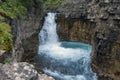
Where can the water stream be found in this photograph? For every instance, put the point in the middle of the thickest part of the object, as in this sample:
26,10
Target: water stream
63,60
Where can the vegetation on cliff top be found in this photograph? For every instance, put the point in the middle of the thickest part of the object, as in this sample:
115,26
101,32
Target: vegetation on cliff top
52,4
9,9
12,8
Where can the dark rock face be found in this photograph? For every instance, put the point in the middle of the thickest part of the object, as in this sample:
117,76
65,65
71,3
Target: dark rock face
106,42
74,29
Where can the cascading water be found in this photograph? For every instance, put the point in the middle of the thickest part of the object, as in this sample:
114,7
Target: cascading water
63,60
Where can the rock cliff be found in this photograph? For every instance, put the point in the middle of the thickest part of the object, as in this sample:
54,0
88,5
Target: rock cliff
96,22
25,30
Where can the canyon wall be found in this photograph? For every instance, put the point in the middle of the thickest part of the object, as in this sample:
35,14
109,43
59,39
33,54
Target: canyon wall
25,30
106,42
74,29
96,22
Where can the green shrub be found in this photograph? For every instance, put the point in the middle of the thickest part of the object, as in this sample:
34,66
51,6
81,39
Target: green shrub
12,8
5,37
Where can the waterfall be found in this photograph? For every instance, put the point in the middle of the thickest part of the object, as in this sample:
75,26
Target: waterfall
48,33
63,60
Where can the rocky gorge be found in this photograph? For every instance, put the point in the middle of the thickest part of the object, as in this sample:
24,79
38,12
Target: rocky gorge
96,22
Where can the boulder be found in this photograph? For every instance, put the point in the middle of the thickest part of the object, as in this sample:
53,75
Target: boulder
21,71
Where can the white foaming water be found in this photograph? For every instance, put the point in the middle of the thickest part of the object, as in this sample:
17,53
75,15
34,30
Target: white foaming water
65,77
63,63
48,33
58,52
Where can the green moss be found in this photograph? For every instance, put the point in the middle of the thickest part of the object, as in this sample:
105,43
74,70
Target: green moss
5,37
52,4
